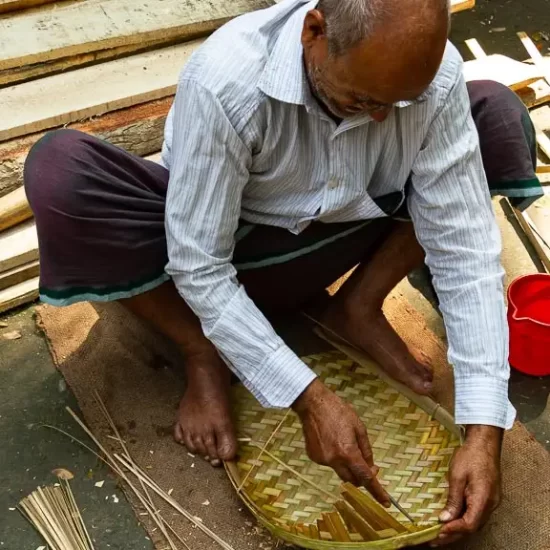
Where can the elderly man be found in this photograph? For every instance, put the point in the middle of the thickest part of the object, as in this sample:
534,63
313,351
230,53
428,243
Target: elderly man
300,139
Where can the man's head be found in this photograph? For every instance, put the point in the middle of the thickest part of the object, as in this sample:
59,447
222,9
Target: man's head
364,55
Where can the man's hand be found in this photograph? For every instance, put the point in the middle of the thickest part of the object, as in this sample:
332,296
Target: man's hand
336,437
474,484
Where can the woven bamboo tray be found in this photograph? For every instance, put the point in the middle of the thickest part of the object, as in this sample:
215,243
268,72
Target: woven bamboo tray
413,441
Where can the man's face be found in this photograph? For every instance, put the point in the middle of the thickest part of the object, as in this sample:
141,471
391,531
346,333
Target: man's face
371,76
343,101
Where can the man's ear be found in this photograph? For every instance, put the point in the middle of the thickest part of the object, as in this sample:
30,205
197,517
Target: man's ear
314,28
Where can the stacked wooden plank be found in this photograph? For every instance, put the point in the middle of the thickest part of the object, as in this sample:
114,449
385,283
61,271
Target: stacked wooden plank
106,67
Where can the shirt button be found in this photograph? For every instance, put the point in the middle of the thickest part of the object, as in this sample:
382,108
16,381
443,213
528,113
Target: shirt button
332,183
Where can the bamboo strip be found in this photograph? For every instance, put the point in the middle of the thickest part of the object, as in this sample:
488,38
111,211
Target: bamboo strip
54,513
336,527
132,467
373,512
109,461
262,450
359,523
126,452
290,469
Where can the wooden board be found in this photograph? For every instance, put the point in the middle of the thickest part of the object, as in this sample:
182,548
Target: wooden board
18,246
535,94
461,5
138,130
65,98
14,5
25,73
14,209
511,73
85,27
541,121
541,88
19,274
527,225
18,295
24,207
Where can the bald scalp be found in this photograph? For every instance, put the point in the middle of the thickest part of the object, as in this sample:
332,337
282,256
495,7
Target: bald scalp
349,22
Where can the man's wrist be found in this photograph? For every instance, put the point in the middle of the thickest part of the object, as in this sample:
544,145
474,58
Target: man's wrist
490,437
310,395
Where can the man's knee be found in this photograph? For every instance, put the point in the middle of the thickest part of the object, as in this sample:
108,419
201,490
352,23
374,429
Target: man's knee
490,99
498,111
49,172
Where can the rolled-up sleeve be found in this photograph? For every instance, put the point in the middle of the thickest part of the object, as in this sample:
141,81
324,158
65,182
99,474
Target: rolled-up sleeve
208,173
454,220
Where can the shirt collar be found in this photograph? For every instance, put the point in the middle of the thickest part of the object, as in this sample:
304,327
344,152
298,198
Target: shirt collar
284,76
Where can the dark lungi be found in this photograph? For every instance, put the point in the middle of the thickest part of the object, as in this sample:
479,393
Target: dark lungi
100,215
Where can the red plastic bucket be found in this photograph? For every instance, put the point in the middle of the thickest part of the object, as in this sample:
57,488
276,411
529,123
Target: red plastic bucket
529,322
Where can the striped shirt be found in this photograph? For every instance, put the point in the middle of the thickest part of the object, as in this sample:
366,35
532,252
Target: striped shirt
246,139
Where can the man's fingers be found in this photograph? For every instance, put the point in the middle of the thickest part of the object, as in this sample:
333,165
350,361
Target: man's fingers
456,527
379,493
455,500
478,510
445,540
364,477
343,472
364,444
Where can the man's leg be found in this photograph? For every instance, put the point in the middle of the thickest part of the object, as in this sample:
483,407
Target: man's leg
100,219
203,423
508,142
356,311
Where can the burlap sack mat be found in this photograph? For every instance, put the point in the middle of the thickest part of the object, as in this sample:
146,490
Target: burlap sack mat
139,377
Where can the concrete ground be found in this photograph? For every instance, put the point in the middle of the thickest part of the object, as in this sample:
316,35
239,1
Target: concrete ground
34,393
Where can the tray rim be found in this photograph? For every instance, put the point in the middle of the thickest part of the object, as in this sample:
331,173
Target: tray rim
426,403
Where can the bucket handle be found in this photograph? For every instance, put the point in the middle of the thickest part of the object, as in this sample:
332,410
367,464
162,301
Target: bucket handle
515,308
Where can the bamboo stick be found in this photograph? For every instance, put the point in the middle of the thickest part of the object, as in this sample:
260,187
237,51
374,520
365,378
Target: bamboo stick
359,523
132,467
370,510
290,469
54,513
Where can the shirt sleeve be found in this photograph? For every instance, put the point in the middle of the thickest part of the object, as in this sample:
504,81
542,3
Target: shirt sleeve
454,221
208,173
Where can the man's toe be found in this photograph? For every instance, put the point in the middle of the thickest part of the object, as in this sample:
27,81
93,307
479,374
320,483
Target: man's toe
178,434
227,444
209,440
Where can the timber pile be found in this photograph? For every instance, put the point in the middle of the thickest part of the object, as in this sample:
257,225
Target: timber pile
532,83
110,68
106,67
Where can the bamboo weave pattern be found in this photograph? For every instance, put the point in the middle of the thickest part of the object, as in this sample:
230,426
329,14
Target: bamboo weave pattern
412,450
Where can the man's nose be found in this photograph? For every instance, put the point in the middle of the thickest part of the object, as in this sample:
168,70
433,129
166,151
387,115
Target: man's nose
380,116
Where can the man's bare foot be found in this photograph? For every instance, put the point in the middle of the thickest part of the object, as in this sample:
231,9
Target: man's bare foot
372,333
204,422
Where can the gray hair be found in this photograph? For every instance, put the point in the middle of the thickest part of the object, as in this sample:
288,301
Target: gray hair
352,21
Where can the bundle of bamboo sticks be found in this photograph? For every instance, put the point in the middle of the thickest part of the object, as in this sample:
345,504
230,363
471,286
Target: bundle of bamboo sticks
140,484
55,515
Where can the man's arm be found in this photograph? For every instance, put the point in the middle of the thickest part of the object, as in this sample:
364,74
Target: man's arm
454,221
209,170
